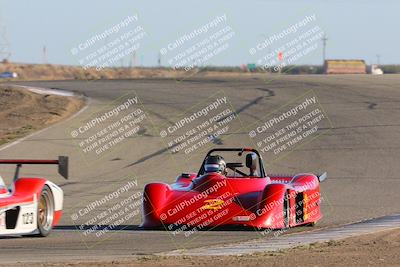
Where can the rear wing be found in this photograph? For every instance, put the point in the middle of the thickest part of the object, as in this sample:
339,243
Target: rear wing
62,163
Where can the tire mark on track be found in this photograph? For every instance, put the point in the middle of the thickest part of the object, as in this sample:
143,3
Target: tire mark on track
371,105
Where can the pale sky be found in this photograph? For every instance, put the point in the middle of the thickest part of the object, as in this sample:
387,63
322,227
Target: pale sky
355,29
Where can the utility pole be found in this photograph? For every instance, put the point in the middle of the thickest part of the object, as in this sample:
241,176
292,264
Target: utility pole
134,58
4,45
378,59
324,39
44,55
141,57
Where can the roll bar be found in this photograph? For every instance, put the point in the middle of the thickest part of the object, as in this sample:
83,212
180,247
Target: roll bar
240,150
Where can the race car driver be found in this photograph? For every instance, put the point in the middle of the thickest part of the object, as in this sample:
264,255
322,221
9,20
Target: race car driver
215,163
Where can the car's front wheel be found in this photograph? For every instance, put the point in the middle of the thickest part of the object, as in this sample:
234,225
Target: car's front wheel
45,212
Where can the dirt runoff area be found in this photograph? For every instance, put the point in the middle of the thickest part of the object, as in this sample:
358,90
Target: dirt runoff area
23,111
378,249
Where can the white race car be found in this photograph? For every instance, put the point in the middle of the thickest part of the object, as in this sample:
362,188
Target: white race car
31,206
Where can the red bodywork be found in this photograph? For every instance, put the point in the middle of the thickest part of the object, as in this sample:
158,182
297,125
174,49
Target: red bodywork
212,199
24,191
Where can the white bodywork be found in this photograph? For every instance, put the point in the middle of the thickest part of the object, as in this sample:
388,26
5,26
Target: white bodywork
375,70
27,216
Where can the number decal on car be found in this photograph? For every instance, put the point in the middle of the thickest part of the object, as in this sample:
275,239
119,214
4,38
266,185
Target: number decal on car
27,218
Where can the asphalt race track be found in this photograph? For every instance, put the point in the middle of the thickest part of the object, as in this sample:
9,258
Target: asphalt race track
360,153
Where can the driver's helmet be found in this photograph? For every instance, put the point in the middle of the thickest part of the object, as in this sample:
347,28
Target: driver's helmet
215,163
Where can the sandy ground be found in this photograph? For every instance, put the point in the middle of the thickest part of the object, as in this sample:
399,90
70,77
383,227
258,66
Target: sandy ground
23,112
379,249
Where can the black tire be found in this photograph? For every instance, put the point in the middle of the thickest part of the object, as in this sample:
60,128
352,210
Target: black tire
45,212
286,210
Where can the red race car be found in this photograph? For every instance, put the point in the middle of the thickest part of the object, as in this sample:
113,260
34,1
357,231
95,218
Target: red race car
233,192
31,206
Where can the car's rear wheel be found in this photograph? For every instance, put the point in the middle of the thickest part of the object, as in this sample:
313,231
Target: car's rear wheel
286,210
45,212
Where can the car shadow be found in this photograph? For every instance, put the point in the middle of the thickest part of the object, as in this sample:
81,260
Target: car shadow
165,228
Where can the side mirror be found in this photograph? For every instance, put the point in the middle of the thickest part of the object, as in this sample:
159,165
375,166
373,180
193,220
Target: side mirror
251,162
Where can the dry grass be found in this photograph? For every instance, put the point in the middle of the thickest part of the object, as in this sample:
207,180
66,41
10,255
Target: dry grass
23,112
62,72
